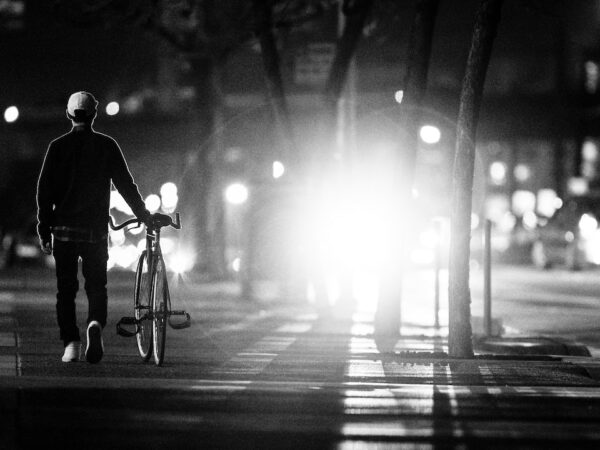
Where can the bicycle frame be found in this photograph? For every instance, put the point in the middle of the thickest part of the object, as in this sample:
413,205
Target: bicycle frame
153,252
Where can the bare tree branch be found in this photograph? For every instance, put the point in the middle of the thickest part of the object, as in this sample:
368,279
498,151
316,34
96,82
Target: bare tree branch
274,81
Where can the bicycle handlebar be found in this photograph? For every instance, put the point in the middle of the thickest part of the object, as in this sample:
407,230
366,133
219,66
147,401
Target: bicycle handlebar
158,224
124,224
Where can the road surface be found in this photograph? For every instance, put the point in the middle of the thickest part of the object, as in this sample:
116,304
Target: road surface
272,374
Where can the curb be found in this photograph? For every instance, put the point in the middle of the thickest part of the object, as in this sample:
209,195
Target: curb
531,346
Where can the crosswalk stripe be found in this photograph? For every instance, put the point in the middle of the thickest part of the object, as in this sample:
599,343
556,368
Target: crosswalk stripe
9,363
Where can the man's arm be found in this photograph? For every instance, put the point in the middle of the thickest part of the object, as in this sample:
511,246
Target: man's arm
123,181
45,201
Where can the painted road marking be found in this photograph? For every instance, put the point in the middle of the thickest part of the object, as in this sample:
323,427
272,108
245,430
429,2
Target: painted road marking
9,357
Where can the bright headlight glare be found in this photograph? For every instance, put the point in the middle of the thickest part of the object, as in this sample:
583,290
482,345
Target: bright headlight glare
181,261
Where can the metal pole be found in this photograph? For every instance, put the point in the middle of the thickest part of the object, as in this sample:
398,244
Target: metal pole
438,263
487,279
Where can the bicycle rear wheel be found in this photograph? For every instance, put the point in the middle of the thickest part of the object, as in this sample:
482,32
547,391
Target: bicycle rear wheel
160,303
142,305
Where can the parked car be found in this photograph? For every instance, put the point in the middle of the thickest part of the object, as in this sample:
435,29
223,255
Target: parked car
570,237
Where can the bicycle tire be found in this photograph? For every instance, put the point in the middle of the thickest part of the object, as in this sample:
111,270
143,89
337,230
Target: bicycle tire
160,299
142,305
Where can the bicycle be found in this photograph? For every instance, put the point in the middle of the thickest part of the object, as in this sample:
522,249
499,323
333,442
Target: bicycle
151,297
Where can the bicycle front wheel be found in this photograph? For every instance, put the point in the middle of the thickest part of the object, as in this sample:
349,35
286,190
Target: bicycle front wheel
142,307
160,303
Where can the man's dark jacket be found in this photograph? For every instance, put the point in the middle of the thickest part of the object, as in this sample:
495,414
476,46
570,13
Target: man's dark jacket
74,184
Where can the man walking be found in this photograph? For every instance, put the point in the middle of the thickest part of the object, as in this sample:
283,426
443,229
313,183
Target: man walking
73,200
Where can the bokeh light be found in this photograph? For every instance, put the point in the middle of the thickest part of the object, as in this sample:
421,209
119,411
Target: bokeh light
11,114
236,193
430,134
112,108
152,203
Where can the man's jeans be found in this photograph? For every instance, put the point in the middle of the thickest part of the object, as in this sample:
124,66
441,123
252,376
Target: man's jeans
93,266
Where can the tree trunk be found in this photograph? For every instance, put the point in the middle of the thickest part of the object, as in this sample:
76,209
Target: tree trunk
356,15
388,316
204,197
215,212
415,82
263,17
484,32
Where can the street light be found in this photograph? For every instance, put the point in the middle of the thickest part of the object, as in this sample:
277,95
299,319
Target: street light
236,193
11,114
430,134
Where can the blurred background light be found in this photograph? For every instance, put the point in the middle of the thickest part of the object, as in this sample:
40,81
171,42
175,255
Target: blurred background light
236,265
278,169
522,172
577,186
169,197
181,261
135,230
398,96
547,202
529,220
152,203
430,134
474,221
588,225
112,108
498,172
523,202
167,245
117,237
496,207
118,202
168,189
592,75
589,150
236,193
507,222
11,114
122,256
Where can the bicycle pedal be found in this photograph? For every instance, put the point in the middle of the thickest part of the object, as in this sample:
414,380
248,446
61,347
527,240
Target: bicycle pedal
127,321
179,326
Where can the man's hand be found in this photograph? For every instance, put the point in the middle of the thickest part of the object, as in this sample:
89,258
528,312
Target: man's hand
46,247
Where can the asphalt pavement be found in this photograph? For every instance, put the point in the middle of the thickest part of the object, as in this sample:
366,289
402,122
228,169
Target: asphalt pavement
272,373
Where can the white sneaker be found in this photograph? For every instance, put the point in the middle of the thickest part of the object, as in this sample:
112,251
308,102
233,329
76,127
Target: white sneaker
95,347
72,351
